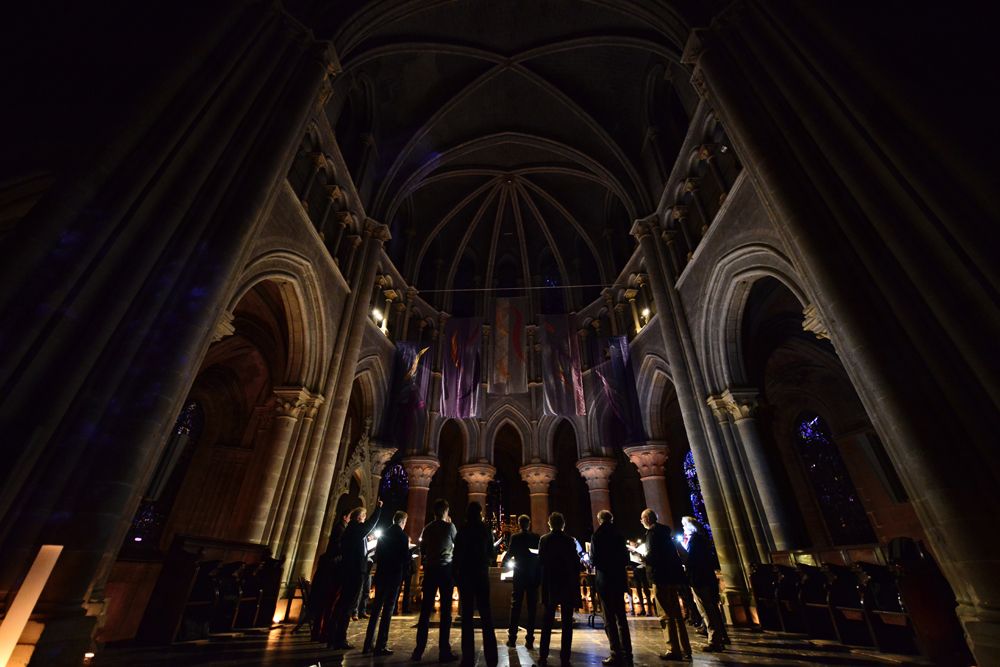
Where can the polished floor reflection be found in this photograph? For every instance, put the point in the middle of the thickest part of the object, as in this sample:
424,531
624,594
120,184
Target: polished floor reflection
278,648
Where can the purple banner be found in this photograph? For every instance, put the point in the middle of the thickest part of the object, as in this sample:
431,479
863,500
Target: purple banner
562,379
406,416
614,394
509,370
461,369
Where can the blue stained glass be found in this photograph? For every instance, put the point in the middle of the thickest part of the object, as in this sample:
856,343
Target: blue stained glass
838,498
694,488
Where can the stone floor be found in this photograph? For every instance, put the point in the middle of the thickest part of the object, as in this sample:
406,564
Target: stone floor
278,648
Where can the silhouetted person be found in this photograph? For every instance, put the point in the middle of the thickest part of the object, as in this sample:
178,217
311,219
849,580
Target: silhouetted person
474,554
641,584
560,564
326,584
360,608
392,554
354,563
609,555
703,566
525,565
665,572
437,543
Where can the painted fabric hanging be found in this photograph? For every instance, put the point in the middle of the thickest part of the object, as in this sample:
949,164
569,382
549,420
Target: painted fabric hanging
411,380
461,369
562,379
615,398
509,370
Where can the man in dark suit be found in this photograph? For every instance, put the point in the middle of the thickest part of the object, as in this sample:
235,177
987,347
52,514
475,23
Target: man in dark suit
665,572
609,556
392,555
473,556
560,564
525,564
354,562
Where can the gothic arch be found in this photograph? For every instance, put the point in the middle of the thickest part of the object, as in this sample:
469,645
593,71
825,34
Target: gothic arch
655,387
470,435
506,414
307,317
371,379
727,290
547,427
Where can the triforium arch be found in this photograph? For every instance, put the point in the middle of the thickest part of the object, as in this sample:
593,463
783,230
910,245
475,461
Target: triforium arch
506,415
655,387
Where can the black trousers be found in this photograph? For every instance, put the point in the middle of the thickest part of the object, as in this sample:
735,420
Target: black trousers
523,589
474,595
435,579
616,622
549,620
342,610
386,595
642,590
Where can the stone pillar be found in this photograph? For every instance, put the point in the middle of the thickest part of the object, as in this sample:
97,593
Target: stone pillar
630,294
680,216
318,161
642,280
419,473
390,296
343,222
741,404
609,298
280,527
620,317
693,185
650,459
596,471
478,476
669,237
708,153
289,405
332,196
539,476
352,242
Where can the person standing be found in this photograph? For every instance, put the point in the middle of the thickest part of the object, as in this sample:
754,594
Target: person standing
523,558
437,542
326,584
560,564
393,556
360,608
354,562
666,574
703,569
474,553
609,556
641,583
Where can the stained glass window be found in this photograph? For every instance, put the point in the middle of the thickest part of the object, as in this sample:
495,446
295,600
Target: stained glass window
694,488
838,498
395,487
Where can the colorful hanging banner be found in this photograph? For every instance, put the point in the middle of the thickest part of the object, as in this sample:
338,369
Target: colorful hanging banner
614,394
461,367
509,370
411,380
562,379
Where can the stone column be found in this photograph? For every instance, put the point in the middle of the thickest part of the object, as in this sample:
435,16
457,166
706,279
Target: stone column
390,296
352,242
410,295
539,476
609,298
620,317
693,185
530,330
748,496
478,476
289,405
669,237
318,161
680,215
708,153
741,404
277,535
630,294
344,221
332,195
596,471
419,473
642,280
650,459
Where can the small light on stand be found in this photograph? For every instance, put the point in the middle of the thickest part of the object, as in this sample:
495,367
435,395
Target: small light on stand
645,313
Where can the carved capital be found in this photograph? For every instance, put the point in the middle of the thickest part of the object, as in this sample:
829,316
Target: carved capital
597,326
420,470
607,293
530,329
583,332
224,327
641,279
699,83
333,193
538,476
619,308
814,323
707,151
649,459
679,212
291,401
630,294
390,294
354,240
378,231
644,227
719,408
692,184
741,403
695,46
378,457
346,218
312,406
596,471
399,307
478,475
317,160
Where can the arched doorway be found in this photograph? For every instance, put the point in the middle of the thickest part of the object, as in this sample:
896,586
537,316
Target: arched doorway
447,483
508,459
568,493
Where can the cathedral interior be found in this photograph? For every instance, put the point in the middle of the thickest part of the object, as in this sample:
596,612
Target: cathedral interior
222,224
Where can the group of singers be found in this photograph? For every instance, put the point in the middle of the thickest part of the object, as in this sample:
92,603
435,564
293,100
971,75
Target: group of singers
551,562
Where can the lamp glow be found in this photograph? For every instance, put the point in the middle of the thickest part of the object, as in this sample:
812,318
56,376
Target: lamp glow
377,534
645,313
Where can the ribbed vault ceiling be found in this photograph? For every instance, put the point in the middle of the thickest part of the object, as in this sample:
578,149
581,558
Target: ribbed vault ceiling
501,131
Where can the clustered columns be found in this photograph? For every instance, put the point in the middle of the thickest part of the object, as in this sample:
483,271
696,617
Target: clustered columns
290,402
596,471
741,404
419,473
539,476
650,459
333,196
630,294
478,476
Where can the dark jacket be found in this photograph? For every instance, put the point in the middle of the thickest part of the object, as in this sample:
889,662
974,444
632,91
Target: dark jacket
473,554
525,563
663,565
560,569
702,562
352,544
393,556
609,555
437,542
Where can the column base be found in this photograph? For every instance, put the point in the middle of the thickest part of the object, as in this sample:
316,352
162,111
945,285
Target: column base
982,631
62,642
739,609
